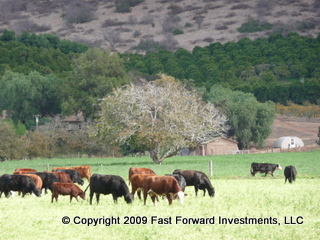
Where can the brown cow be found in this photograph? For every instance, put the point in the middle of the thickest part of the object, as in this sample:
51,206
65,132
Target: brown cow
19,170
37,180
162,185
136,181
62,177
66,189
84,171
135,170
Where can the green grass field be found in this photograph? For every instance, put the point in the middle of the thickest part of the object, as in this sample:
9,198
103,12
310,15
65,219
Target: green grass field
244,207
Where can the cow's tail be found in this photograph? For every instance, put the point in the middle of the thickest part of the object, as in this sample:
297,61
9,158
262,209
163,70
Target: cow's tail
291,174
87,187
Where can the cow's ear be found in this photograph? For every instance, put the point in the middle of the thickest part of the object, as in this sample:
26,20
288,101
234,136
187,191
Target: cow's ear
186,194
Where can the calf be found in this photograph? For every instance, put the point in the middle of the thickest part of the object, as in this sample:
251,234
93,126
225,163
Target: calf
136,181
290,173
64,189
264,168
162,185
197,179
73,174
109,184
20,183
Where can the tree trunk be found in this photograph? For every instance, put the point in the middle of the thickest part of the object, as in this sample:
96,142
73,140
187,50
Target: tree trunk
154,156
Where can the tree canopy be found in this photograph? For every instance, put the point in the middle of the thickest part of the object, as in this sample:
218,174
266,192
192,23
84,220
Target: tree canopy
162,116
95,73
250,121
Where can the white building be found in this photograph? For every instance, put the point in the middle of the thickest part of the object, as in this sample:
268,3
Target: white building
288,142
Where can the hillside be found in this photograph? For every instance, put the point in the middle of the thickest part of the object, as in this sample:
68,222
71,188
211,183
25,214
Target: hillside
199,22
294,126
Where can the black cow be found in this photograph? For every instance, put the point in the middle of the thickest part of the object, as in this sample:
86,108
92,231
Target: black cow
19,183
181,181
109,184
264,168
290,173
47,180
197,179
74,175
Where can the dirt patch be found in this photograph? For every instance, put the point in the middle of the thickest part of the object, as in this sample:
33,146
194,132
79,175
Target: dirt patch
305,129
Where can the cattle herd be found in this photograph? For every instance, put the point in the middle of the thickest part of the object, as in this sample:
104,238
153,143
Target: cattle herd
63,180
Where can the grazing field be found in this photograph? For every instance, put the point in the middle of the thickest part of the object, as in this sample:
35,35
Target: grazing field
244,207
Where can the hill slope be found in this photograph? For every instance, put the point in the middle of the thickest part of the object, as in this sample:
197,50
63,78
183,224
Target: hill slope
200,22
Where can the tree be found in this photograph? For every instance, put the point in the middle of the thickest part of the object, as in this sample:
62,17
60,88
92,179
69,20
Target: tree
250,121
24,96
162,116
95,73
10,145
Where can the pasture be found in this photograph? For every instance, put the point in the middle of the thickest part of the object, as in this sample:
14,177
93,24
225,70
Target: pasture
244,207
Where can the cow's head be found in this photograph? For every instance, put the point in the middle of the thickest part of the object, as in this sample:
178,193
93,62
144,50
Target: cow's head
128,198
181,196
82,195
37,192
211,192
278,166
80,181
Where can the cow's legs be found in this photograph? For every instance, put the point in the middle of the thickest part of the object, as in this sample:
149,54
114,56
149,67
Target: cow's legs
98,197
196,190
169,198
115,198
145,195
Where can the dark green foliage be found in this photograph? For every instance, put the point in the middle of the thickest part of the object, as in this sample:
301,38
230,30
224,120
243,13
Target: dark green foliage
10,145
95,73
254,26
177,32
271,68
24,96
8,36
250,120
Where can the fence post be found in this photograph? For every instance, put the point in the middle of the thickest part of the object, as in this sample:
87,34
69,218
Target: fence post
210,168
47,167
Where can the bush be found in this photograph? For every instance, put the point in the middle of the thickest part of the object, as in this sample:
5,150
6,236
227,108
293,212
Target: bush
79,12
254,26
177,32
306,26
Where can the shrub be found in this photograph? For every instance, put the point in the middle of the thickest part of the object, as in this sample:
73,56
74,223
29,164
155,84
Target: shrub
136,33
79,12
254,26
306,26
177,32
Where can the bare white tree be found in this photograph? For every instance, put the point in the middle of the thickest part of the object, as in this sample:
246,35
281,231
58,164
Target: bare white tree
161,115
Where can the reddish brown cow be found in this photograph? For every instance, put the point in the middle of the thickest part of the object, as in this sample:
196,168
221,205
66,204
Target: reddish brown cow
23,170
136,181
135,170
162,185
62,177
84,171
66,189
